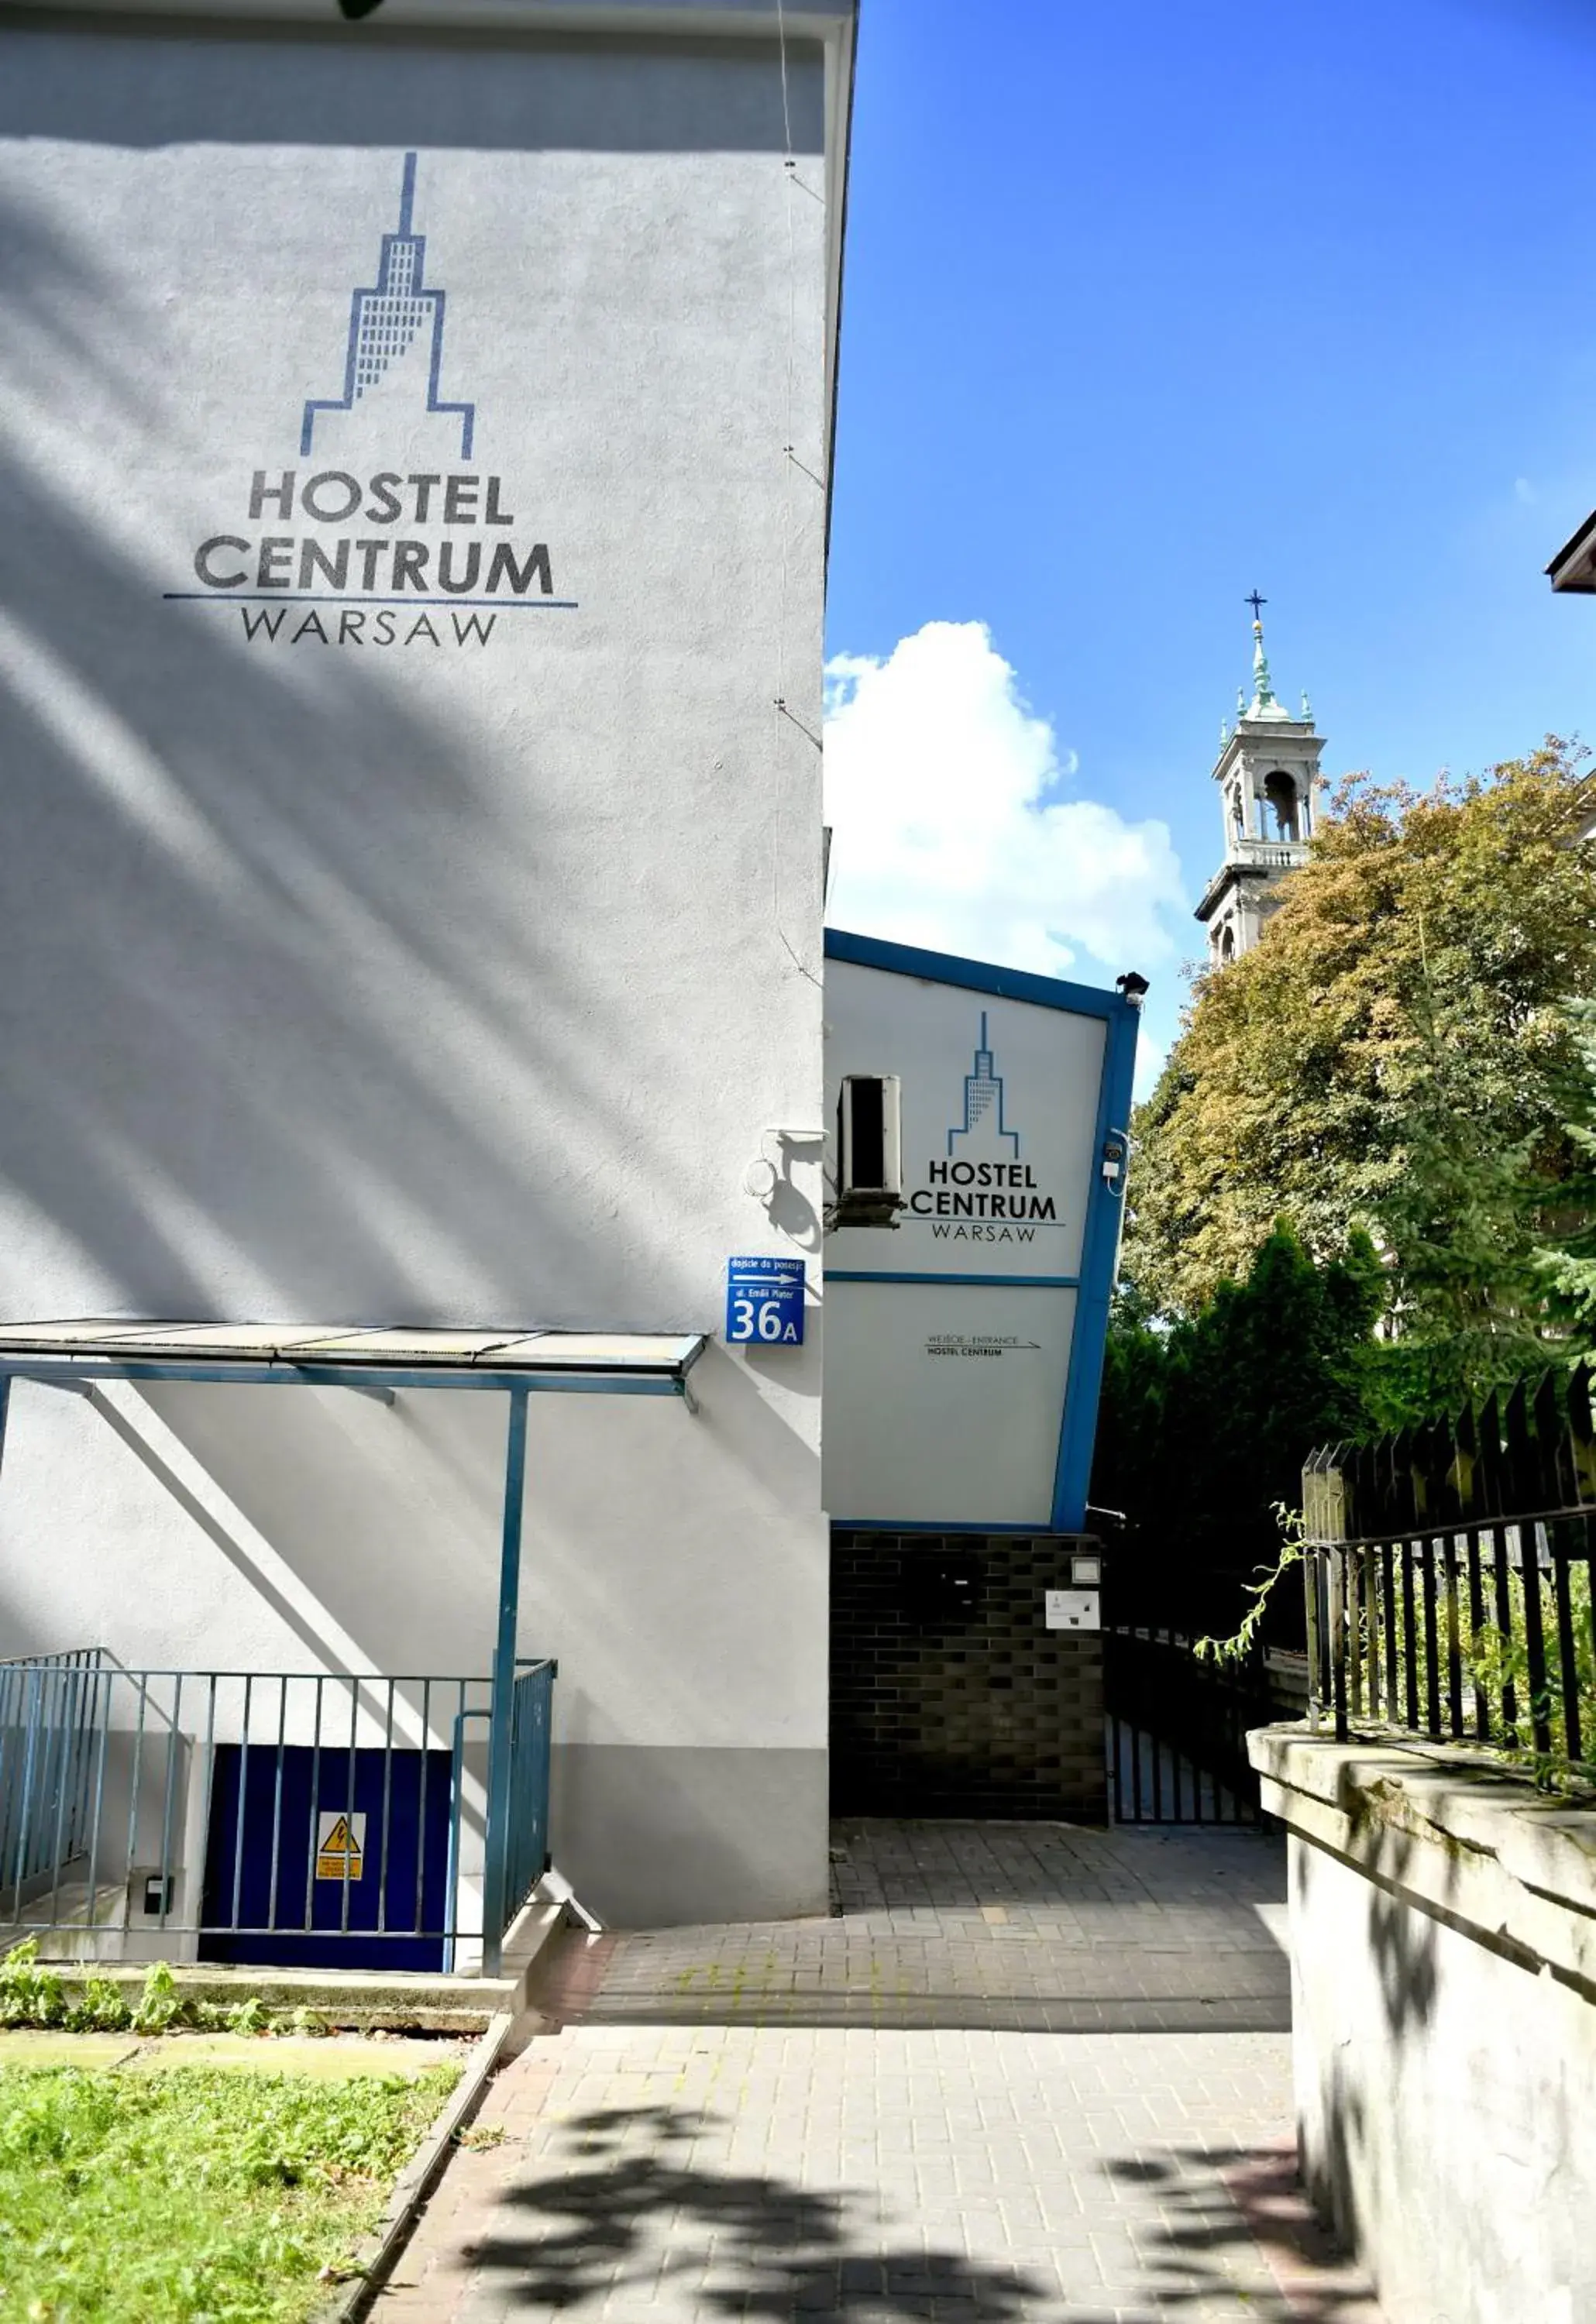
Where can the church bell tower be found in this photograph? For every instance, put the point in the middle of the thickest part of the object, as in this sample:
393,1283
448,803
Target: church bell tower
1267,773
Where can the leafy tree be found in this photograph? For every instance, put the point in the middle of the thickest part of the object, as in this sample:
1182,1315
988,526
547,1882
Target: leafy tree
1206,1421
1448,924
1467,1311
1566,1261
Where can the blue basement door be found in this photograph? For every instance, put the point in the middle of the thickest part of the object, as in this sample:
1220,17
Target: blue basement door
276,1875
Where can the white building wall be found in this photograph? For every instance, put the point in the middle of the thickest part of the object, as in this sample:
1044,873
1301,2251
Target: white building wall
1443,1931
432,984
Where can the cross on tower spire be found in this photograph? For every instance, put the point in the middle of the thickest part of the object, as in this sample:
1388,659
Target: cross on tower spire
1256,604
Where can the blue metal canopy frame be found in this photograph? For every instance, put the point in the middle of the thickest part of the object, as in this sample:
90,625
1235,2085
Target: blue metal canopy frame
661,1369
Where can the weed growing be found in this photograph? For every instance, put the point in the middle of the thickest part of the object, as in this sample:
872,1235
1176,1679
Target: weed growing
33,1994
192,2195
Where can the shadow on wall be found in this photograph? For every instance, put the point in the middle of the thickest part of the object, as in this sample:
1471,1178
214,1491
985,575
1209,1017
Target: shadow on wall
738,100
1403,1941
270,1037
1402,1937
287,1004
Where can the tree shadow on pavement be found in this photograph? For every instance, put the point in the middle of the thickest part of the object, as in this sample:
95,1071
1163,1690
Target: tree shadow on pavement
637,2218
1230,2216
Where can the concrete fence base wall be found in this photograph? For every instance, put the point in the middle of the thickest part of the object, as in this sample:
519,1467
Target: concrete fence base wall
1444,2002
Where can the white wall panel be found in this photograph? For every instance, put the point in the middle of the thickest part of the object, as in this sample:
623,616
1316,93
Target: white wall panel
943,1402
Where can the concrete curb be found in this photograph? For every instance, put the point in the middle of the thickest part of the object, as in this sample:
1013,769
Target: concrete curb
373,2262
359,2000
529,1940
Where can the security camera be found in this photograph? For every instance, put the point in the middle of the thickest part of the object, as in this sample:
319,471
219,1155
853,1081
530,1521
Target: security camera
1132,986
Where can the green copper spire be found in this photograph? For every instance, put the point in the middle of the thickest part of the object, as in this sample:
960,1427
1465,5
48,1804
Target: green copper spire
1263,691
1263,703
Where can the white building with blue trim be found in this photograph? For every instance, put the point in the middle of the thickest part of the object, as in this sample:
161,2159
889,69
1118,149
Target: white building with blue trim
414,440
414,445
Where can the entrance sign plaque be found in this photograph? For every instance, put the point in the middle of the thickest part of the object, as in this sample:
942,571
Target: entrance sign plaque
1072,1610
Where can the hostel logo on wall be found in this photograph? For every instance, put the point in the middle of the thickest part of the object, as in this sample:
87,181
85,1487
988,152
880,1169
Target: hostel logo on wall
981,1190
349,549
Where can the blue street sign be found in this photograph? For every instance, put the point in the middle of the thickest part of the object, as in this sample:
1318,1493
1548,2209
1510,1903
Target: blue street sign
765,1302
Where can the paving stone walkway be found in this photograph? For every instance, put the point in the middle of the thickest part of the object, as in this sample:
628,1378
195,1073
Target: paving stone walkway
1024,2072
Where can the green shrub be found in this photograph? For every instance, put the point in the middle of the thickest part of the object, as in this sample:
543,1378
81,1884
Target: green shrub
160,2004
29,1995
100,2008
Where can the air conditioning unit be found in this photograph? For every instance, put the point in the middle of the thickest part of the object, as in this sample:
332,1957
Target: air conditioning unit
870,1151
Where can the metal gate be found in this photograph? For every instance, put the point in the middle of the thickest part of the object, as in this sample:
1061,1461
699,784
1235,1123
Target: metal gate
1176,1731
293,1819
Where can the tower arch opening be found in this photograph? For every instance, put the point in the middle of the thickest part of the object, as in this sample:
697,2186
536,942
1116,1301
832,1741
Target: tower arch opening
1284,803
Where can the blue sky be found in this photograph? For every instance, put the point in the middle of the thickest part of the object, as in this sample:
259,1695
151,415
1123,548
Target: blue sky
1150,304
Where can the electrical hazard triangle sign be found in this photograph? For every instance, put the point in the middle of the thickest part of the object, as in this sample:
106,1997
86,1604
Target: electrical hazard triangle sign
340,1845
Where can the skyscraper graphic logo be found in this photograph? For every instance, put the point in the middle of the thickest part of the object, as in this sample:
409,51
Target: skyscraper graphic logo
984,1130
395,330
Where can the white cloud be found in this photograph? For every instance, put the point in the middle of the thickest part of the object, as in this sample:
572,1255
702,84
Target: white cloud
941,788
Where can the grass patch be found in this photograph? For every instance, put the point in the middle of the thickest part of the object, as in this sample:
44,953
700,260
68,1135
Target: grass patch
192,2195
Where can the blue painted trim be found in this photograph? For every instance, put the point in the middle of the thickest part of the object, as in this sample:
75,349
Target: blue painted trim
494,1892
997,1282
972,975
1099,1252
4,1405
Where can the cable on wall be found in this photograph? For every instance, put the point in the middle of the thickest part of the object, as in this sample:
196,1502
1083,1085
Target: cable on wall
783,714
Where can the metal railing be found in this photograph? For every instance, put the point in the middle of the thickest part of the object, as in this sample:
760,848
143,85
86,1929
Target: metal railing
48,1706
1449,1578
284,1817
530,1738
1178,1730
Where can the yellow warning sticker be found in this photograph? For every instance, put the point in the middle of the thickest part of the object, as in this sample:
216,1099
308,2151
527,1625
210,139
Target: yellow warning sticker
340,1845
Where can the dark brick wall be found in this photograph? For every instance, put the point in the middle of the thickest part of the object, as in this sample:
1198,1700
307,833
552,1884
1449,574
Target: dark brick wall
948,1697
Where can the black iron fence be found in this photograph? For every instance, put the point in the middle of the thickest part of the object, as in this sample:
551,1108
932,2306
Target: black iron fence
1177,1728
1449,1577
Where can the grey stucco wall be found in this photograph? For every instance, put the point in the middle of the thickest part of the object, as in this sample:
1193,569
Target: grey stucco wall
425,982
1443,2027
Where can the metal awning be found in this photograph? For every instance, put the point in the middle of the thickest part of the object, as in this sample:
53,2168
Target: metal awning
74,1354
637,1363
